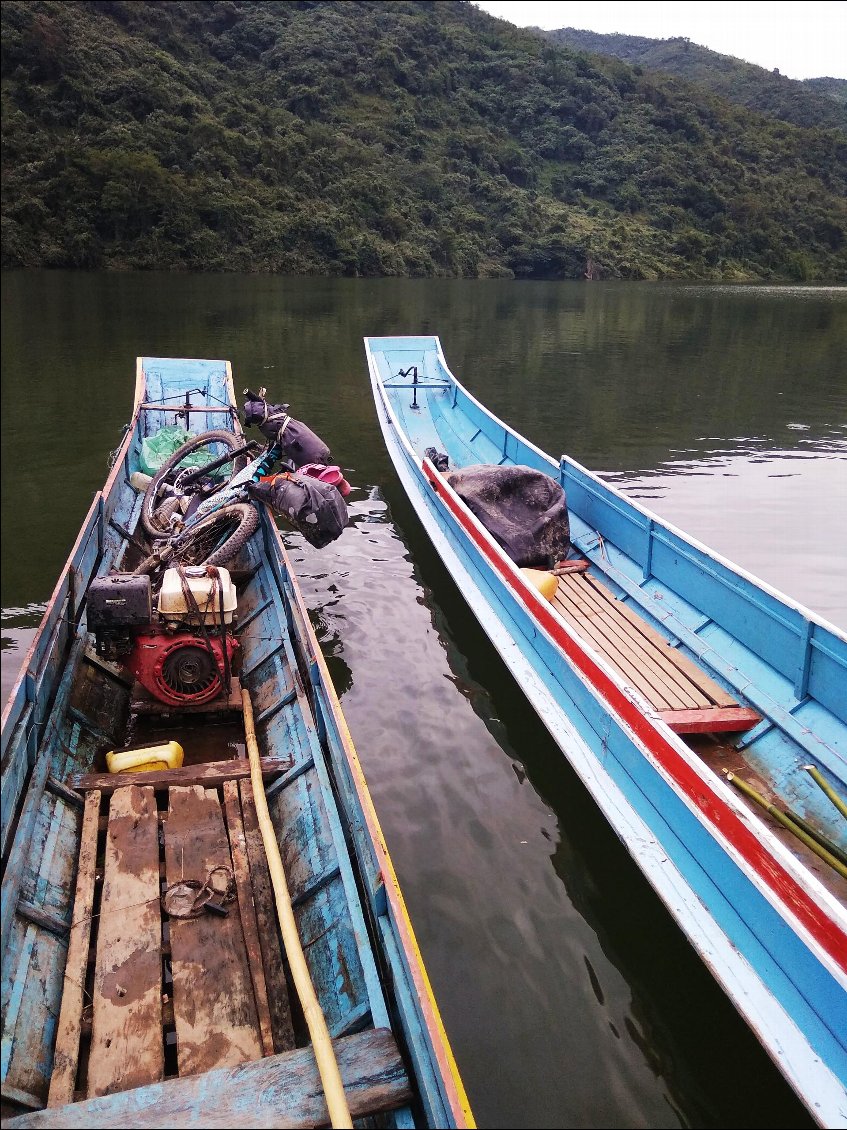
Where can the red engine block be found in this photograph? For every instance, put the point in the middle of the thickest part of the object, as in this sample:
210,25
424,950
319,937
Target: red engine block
179,669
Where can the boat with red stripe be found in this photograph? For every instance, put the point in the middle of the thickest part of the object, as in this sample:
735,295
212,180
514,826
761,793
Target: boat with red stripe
705,712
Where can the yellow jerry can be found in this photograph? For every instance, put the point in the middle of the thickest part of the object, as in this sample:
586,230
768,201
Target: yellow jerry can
168,755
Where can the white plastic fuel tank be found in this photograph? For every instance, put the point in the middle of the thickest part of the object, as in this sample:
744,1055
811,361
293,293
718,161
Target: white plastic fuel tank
206,584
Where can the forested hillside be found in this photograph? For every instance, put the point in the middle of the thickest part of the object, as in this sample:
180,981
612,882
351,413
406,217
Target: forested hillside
810,103
835,88
388,138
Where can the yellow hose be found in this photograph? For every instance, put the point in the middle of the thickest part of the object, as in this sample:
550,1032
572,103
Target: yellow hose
336,1100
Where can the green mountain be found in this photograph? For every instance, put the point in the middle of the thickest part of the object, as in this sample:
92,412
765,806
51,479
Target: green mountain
835,88
811,102
388,138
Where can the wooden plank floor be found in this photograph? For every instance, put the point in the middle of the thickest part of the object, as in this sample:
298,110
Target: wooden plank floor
263,900
228,1001
214,1008
682,693
126,1035
247,910
217,982
66,1056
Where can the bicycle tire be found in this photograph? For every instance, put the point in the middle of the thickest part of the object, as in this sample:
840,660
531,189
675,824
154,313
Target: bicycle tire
191,545
151,494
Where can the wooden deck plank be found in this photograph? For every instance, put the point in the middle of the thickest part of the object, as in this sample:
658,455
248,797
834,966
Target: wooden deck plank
210,774
263,900
247,910
676,690
715,720
654,655
126,1035
687,666
214,1008
66,1054
626,665
279,1091
565,607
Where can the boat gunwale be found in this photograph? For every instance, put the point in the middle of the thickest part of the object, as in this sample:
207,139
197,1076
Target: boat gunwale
796,885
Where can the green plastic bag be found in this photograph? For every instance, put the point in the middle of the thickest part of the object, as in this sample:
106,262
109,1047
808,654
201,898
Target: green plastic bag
157,448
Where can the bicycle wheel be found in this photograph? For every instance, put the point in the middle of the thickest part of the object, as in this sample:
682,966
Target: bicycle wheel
212,444
218,538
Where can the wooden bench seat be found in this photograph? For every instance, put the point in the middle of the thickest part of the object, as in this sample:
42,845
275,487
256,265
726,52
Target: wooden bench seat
210,775
684,696
279,1090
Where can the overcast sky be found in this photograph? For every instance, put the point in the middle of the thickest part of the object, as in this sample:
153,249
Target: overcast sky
804,40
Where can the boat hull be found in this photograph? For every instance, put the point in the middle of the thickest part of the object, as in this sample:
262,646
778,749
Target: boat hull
361,949
740,900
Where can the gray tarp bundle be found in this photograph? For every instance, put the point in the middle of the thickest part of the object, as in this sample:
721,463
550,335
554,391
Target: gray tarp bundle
524,510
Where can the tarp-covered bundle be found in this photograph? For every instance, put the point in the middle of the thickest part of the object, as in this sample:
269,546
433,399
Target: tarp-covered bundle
314,507
524,510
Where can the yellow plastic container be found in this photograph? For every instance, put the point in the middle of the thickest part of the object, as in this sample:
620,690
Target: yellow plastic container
168,755
546,583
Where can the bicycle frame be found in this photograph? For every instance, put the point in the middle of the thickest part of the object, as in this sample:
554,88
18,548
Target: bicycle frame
236,488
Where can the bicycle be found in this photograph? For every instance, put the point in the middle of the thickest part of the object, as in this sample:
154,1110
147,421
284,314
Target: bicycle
192,516
204,515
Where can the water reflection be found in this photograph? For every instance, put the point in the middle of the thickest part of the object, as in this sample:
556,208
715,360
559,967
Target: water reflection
19,627
569,994
791,535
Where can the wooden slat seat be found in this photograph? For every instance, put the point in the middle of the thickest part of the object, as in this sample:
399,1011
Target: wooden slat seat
685,697
210,775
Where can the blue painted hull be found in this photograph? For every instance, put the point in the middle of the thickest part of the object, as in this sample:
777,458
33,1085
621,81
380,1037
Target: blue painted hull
766,915
360,945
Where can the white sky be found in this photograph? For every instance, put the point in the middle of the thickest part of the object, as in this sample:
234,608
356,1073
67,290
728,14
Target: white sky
804,40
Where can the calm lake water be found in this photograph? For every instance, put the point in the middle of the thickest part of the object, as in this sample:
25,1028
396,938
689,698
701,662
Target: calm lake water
570,997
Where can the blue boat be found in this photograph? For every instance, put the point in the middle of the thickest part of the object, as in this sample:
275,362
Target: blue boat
120,1008
705,712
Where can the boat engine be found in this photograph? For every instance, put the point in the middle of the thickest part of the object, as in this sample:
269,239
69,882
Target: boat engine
182,669
184,653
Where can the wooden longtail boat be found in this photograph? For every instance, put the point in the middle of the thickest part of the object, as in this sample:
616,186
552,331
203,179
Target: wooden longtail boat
684,692
114,1013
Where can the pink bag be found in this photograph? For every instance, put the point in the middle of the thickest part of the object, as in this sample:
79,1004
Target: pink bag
331,475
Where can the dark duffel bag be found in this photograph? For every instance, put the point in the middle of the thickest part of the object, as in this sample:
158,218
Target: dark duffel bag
299,443
313,507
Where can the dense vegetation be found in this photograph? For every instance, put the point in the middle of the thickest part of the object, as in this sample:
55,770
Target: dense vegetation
384,138
830,87
812,102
